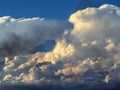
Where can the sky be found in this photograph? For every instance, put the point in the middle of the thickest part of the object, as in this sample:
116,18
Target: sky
59,44
38,8
46,8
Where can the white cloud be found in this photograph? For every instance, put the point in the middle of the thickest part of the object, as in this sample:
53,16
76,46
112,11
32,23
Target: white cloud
86,55
20,36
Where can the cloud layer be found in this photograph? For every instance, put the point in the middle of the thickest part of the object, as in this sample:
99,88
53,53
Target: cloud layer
87,55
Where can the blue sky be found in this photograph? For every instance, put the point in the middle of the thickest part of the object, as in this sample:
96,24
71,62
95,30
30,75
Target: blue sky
96,3
60,9
55,9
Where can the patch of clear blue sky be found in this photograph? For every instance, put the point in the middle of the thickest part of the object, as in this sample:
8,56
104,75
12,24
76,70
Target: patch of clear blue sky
58,9
52,9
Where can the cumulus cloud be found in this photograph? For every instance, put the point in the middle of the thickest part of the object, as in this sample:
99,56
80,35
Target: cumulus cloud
21,36
86,55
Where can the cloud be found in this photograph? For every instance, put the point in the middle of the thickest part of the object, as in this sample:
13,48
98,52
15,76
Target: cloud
86,55
21,36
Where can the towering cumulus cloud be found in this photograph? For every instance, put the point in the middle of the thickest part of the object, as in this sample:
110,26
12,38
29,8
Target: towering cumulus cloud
87,55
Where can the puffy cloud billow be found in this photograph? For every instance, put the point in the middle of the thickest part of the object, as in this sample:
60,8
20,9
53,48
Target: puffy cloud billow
21,36
87,55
